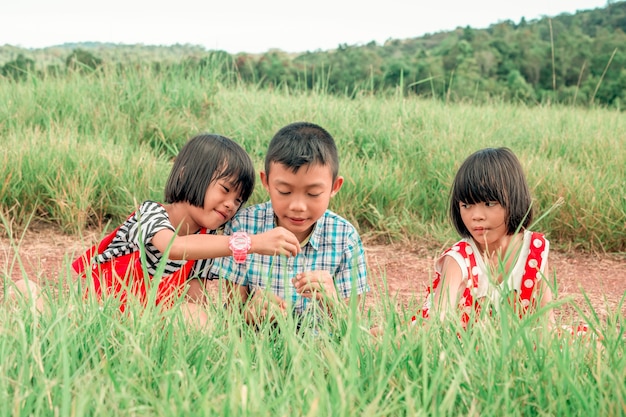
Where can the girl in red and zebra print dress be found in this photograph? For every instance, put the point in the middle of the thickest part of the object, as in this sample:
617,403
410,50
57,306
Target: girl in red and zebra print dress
212,177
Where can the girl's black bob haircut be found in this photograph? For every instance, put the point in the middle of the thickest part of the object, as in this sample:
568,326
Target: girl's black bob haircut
492,174
204,159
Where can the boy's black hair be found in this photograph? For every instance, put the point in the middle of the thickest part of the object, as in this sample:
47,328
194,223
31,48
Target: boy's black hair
203,160
492,174
302,143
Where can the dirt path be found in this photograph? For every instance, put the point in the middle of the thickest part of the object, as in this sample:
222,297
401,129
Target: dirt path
44,251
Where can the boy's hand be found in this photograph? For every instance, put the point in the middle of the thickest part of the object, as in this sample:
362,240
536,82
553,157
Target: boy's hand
264,305
316,285
278,241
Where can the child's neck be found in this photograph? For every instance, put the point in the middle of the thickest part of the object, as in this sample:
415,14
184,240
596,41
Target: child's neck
502,247
500,258
178,218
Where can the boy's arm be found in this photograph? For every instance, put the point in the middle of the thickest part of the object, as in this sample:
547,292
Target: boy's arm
236,294
257,307
318,285
349,277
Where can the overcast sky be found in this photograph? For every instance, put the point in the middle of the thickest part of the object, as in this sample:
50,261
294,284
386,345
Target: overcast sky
257,25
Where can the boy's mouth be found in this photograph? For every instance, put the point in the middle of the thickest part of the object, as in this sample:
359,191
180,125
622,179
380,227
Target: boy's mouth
296,221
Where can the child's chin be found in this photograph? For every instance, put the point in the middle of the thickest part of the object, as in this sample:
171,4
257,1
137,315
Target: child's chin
215,225
297,230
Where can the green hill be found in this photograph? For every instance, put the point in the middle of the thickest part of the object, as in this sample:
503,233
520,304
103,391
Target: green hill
570,58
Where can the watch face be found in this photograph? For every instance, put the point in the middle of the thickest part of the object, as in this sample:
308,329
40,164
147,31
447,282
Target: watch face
239,242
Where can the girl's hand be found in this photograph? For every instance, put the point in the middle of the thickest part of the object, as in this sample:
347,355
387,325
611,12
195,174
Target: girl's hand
264,305
315,285
278,241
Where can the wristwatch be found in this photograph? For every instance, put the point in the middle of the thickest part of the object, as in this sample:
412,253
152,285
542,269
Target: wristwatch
240,244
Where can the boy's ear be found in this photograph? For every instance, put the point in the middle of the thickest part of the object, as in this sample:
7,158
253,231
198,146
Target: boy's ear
264,180
336,186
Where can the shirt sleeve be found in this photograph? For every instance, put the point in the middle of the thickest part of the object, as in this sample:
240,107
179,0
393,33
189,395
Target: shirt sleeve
352,271
151,219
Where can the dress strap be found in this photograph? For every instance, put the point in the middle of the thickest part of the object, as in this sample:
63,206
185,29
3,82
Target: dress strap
80,264
532,270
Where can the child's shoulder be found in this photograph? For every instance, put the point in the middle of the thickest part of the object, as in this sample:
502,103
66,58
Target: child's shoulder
151,205
256,213
463,247
535,235
255,208
331,222
334,217
536,240
150,208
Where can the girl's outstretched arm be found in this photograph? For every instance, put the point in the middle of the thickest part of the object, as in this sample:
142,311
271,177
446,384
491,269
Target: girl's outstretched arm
278,241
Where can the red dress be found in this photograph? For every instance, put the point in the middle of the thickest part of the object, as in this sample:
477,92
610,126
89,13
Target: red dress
124,275
528,270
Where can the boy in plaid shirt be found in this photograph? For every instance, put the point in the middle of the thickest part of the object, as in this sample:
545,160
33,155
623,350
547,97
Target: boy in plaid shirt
301,176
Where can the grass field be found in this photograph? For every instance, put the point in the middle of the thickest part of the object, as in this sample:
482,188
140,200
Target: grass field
81,151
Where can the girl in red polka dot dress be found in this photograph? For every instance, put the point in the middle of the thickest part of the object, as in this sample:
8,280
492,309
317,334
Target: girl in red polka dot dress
498,257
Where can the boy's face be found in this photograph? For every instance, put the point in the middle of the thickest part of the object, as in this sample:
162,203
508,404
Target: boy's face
299,199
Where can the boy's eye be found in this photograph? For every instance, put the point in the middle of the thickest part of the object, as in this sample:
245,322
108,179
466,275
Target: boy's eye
315,194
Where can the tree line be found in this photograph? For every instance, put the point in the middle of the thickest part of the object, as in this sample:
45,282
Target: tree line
574,59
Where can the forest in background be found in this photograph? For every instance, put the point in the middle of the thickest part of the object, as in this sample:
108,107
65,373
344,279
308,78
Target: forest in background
573,59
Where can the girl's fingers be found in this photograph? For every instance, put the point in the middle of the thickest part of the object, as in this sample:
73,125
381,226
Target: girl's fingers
293,248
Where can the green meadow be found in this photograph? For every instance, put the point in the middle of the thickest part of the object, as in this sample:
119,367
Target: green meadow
80,151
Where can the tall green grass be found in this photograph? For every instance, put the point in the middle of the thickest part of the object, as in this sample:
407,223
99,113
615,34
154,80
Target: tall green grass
81,150
83,358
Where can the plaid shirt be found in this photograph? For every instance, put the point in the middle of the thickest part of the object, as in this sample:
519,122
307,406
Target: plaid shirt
334,246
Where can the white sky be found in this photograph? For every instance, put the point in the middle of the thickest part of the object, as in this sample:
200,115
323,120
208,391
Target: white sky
257,25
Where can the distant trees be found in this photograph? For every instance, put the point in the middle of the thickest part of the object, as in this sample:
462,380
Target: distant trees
83,60
577,59
19,68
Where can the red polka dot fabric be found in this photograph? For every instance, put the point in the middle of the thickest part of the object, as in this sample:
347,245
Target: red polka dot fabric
526,296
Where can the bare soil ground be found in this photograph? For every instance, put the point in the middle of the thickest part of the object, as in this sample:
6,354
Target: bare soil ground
396,271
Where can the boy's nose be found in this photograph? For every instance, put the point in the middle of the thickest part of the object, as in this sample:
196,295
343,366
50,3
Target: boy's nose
297,204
